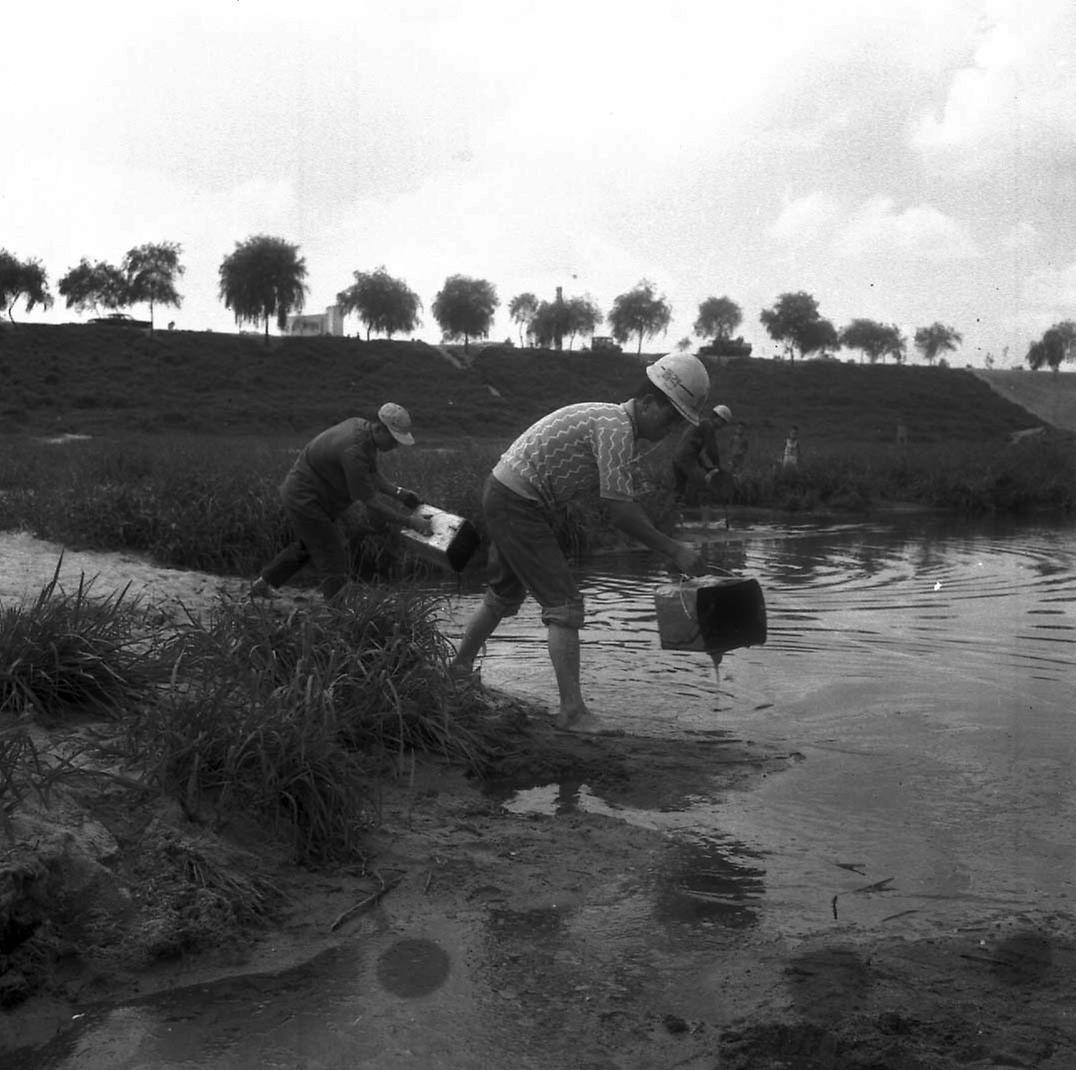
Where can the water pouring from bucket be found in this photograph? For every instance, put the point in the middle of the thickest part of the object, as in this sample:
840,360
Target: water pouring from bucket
715,657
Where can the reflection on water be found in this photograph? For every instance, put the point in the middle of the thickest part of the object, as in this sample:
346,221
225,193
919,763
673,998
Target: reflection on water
924,668
709,882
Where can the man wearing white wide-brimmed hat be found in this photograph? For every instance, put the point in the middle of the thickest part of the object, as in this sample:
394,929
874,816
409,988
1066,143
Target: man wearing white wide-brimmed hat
587,452
332,471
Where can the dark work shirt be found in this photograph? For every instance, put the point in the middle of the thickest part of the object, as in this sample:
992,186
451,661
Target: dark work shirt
334,469
698,446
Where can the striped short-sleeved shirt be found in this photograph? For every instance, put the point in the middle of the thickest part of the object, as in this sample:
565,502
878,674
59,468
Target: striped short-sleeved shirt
578,451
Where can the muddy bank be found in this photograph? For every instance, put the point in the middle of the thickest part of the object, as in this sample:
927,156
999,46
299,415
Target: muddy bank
601,946
109,893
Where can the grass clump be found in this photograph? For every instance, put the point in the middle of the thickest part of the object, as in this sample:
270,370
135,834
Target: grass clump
22,768
63,655
71,651
292,717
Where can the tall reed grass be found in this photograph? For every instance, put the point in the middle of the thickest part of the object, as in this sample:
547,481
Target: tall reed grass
960,477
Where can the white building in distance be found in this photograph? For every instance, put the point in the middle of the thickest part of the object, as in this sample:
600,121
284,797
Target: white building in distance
331,321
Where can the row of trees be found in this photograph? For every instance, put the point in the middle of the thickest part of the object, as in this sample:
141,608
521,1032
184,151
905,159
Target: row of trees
265,278
147,274
795,322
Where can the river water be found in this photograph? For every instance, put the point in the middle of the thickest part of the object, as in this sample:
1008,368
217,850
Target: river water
920,670
923,668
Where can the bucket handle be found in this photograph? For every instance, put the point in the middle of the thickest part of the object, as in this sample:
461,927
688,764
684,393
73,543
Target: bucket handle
684,577
683,606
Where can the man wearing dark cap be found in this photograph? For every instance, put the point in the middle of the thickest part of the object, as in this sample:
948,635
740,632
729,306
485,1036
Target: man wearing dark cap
332,471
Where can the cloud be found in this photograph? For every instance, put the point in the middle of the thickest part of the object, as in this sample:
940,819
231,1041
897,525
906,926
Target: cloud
1047,297
1019,95
921,232
803,219
1053,291
1022,235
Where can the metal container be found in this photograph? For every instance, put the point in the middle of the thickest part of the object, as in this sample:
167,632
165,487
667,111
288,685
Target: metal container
713,613
452,543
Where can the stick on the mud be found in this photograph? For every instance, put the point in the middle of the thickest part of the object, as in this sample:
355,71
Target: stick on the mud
371,900
877,886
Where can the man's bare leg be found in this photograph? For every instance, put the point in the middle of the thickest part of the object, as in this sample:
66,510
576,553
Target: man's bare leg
479,628
564,653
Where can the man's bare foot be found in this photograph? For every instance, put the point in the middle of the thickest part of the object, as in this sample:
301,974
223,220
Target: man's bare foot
464,674
583,722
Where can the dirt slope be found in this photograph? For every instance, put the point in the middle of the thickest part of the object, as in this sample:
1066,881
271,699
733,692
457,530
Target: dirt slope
1052,398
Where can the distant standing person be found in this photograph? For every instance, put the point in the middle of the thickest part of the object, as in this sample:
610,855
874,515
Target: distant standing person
584,452
697,461
332,471
791,458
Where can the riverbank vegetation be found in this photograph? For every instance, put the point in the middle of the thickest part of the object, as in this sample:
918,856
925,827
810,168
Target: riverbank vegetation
211,504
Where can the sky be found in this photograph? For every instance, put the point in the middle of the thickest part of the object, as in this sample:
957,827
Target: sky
905,161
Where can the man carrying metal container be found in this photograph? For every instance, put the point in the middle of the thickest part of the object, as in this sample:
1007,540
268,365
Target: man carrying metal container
332,471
